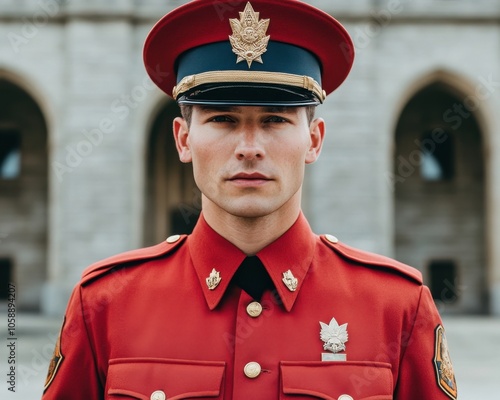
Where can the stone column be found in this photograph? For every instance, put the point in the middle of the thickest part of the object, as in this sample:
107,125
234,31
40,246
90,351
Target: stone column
90,168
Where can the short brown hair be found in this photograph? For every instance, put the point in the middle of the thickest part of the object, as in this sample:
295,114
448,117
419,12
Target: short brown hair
186,112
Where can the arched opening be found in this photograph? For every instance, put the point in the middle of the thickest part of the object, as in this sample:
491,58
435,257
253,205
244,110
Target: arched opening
23,193
173,202
439,183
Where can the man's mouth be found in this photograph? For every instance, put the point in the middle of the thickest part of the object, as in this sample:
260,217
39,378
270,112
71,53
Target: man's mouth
249,179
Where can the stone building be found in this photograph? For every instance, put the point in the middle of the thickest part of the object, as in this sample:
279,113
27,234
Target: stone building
410,167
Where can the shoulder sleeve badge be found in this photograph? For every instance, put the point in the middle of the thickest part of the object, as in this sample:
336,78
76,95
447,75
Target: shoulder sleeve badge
442,363
55,363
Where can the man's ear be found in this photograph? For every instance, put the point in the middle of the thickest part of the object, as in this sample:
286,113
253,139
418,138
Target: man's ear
317,134
181,136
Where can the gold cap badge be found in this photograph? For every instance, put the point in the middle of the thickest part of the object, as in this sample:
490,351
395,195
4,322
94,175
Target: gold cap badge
249,40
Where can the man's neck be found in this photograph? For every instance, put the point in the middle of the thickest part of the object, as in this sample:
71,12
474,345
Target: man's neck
251,235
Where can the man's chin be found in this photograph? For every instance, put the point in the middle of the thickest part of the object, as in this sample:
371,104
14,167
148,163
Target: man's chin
251,210
249,206
251,214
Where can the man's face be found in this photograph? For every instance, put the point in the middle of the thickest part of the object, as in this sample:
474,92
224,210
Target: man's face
249,161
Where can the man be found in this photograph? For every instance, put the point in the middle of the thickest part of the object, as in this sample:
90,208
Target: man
252,304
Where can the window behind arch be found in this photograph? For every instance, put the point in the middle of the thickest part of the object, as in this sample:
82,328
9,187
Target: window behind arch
444,280
438,160
10,154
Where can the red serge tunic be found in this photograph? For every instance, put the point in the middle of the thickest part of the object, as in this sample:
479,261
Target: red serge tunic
145,325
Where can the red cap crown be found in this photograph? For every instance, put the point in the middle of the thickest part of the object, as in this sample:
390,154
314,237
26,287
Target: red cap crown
292,26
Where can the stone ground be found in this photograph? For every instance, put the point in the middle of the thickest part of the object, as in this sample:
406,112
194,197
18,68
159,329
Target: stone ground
474,343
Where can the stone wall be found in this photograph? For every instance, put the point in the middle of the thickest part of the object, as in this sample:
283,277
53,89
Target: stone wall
81,61
23,195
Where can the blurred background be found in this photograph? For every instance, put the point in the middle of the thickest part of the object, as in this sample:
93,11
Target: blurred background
410,167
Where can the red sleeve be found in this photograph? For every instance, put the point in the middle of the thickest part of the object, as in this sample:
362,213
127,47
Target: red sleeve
72,372
426,371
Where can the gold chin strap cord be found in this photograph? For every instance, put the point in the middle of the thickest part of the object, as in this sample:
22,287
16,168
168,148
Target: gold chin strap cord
276,78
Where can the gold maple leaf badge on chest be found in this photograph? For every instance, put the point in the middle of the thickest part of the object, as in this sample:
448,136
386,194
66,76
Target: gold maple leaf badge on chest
249,40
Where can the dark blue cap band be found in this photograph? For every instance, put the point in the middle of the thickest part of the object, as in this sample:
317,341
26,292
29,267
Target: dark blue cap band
280,57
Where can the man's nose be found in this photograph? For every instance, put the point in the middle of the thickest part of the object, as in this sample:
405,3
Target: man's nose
250,145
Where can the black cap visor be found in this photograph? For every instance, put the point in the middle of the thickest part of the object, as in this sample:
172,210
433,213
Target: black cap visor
245,94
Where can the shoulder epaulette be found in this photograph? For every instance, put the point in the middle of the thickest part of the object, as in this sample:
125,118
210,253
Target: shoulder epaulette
372,259
146,253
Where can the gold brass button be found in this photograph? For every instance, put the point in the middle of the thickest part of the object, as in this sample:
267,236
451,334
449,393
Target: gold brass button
334,240
173,238
158,395
252,370
345,397
254,309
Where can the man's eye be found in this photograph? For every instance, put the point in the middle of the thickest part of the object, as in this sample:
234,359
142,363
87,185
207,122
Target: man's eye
275,119
221,118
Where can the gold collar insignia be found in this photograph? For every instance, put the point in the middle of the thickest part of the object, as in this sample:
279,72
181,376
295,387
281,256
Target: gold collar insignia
213,280
290,281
